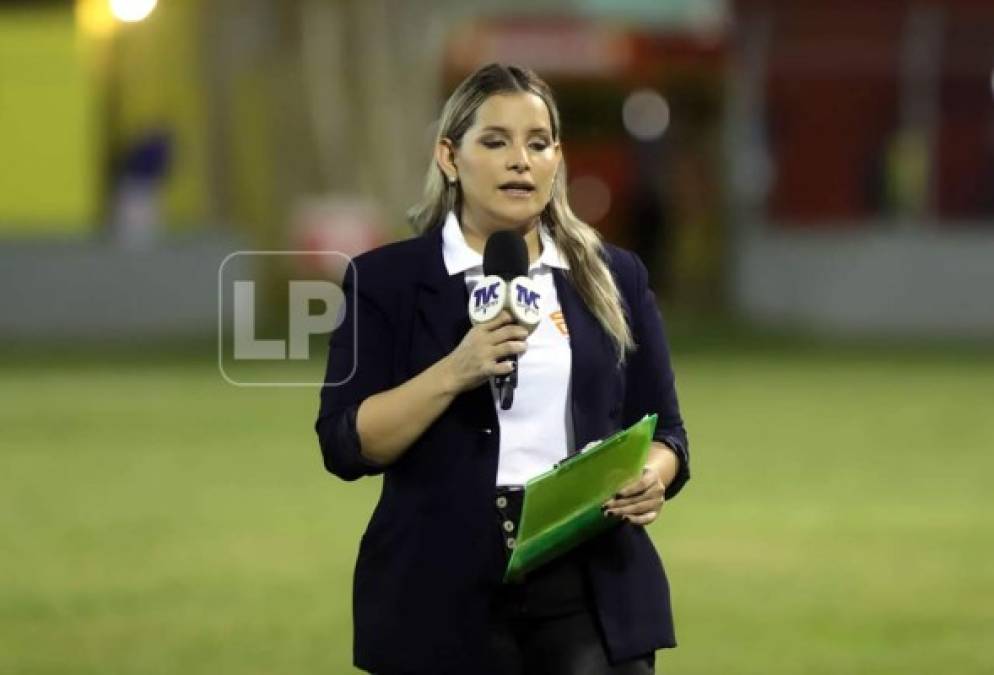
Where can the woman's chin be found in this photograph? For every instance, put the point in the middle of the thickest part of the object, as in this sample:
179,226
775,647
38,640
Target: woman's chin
516,215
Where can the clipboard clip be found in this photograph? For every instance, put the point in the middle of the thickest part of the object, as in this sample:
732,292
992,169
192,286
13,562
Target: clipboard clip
561,462
576,454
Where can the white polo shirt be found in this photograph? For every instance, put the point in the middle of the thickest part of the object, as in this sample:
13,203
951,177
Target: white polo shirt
538,429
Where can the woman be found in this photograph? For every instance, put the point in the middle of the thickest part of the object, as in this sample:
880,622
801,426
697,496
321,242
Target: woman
407,396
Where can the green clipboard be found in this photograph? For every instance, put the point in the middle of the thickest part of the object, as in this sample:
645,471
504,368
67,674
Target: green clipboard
562,507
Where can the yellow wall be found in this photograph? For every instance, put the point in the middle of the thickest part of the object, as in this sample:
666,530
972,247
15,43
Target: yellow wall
49,173
61,73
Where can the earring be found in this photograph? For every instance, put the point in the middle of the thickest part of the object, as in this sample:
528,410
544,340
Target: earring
452,180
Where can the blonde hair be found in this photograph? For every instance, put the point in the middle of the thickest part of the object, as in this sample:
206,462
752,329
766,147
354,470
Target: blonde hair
579,243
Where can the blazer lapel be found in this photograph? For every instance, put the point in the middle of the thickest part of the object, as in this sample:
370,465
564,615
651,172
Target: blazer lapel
442,300
443,313
591,350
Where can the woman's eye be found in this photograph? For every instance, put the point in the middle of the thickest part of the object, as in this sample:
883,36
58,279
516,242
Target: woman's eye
538,147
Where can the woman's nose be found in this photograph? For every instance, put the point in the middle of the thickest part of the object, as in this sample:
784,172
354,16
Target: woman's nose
518,161
517,158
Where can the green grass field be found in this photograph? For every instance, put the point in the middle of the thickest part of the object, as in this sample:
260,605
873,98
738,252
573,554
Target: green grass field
158,520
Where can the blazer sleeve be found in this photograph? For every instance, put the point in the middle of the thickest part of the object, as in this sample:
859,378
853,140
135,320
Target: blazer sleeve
650,382
360,352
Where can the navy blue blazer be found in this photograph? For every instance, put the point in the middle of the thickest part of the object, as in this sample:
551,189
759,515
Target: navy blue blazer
426,564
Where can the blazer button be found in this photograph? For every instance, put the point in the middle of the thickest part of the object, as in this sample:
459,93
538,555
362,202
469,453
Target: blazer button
508,526
501,502
510,542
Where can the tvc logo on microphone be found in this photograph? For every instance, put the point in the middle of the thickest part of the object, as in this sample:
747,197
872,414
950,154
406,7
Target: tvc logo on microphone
487,296
526,296
276,314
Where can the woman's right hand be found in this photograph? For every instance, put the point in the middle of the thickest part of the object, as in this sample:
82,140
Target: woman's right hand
475,359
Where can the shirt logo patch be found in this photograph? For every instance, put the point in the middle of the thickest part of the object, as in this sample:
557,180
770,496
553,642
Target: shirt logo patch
560,322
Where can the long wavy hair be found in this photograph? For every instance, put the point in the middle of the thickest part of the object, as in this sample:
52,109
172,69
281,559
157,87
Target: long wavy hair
579,242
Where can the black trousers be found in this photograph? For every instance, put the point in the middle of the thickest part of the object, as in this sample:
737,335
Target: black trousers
546,624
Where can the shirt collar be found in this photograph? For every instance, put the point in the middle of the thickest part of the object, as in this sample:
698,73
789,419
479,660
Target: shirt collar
459,257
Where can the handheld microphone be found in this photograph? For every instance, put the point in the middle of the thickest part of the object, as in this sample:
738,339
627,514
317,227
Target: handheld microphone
506,285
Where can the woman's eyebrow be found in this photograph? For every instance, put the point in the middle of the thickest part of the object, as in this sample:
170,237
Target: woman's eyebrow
504,130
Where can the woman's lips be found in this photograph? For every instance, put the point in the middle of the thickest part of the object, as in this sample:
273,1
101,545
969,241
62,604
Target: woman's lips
517,193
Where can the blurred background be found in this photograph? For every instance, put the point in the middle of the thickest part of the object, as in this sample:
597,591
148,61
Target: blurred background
811,185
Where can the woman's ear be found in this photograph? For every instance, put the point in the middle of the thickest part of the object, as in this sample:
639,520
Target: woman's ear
445,155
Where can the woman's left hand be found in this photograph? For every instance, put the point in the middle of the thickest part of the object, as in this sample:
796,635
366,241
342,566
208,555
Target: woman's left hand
639,502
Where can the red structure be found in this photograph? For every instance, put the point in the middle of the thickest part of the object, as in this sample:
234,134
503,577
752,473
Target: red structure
876,109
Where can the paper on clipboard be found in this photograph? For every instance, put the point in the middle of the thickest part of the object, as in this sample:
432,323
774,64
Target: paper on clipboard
562,507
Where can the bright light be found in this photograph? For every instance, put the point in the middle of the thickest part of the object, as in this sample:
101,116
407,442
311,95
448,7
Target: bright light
130,11
646,114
